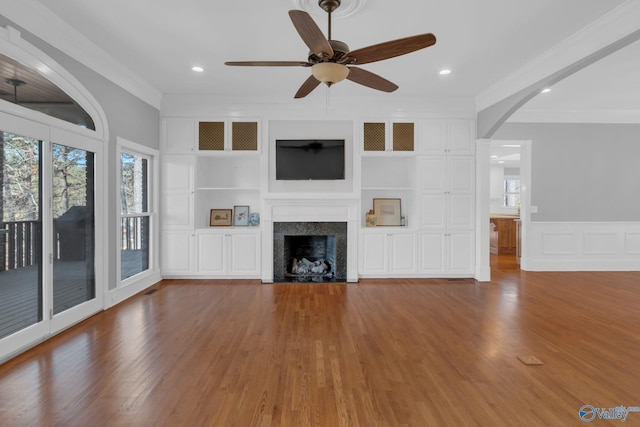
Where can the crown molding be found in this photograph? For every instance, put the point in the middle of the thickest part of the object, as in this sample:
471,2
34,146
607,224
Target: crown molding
584,116
610,28
41,22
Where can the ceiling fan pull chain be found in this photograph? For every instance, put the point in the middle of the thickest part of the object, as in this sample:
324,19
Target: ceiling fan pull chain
327,101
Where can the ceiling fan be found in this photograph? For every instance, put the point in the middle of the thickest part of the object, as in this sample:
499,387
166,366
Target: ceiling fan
331,61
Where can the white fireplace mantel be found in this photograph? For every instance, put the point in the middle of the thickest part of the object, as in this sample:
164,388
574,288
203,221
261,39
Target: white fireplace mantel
310,209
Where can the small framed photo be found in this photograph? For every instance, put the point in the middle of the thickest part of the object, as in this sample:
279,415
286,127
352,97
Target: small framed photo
220,217
387,211
241,215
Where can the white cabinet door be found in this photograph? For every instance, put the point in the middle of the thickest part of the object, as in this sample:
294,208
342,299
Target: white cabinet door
402,253
460,212
176,211
177,198
438,136
244,253
374,253
177,135
176,173
432,136
460,174
212,254
461,137
461,252
433,211
432,253
432,173
176,253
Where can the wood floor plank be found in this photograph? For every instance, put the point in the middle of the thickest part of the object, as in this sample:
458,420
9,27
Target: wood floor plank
403,352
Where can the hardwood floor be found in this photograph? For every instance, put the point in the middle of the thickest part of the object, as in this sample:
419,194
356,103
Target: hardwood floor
376,353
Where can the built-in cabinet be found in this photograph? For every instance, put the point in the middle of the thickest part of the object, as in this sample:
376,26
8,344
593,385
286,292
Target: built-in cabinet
220,174
228,252
429,164
446,193
388,136
388,252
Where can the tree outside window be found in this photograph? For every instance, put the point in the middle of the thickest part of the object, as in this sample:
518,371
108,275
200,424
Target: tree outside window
511,197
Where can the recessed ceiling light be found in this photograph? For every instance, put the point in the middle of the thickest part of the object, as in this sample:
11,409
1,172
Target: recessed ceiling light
511,145
197,69
445,71
494,157
546,90
500,161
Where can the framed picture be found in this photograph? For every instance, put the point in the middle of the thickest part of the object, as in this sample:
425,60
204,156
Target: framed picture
387,211
220,217
241,215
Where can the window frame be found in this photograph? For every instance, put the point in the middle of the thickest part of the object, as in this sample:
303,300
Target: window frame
507,193
151,155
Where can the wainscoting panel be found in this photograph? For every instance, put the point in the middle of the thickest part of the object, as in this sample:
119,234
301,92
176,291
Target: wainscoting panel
600,243
554,243
581,246
632,243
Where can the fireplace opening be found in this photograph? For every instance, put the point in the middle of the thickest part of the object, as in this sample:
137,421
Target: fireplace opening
310,258
310,252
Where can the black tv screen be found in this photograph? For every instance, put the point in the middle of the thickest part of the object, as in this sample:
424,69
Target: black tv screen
310,159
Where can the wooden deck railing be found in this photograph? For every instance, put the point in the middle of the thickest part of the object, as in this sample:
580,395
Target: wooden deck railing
19,244
20,241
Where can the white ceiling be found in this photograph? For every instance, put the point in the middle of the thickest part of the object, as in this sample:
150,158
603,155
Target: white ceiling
481,41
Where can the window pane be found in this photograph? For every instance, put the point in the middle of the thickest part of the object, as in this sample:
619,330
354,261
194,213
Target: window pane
135,246
512,200
20,233
133,193
74,280
512,185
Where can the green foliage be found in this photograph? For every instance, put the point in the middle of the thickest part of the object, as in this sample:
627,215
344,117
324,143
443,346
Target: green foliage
21,178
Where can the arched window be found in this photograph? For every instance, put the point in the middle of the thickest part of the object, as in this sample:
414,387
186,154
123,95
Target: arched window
28,88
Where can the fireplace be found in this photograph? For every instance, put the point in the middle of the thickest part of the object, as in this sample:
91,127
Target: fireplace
309,251
310,215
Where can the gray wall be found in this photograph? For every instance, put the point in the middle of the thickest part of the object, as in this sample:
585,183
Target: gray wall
127,117
582,172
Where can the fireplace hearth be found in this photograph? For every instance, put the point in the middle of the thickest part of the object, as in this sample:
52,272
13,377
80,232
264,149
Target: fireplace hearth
309,251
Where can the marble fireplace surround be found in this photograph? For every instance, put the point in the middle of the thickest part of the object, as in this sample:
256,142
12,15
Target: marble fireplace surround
318,209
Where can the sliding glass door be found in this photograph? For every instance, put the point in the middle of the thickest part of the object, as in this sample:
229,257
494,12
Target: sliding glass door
73,260
21,292
50,256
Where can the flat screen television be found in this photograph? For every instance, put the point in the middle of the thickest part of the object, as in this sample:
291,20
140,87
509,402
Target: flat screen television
310,159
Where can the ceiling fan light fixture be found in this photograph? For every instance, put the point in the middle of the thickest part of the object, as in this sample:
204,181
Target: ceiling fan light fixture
329,72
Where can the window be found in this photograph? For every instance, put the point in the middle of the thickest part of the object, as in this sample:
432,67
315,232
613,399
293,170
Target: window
135,215
511,192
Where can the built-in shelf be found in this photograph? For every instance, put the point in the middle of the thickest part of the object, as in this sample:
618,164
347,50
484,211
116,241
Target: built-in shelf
388,177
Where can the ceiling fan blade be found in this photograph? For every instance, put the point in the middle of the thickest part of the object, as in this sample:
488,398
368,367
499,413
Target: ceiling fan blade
369,79
392,48
270,63
310,84
310,33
